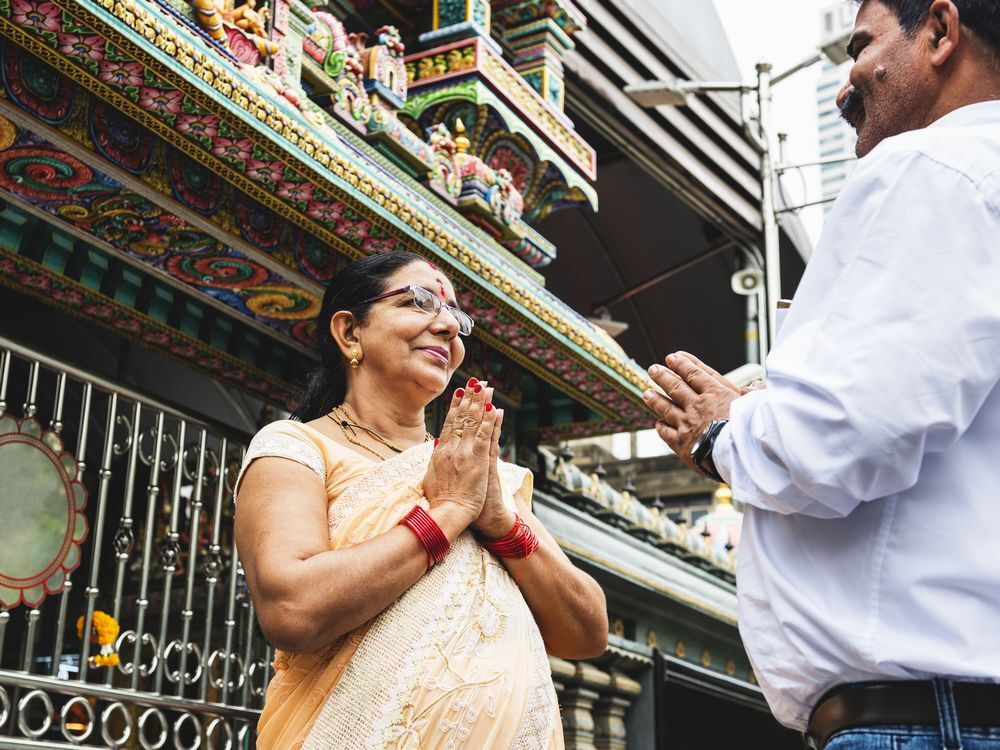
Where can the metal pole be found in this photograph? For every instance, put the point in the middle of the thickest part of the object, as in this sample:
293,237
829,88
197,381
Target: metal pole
772,255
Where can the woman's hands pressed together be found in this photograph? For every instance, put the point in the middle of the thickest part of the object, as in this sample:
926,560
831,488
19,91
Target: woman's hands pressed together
458,475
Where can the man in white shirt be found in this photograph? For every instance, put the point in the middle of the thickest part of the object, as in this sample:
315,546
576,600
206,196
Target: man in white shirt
869,585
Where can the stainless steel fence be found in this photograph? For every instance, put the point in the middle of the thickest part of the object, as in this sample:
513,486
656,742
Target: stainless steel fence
159,558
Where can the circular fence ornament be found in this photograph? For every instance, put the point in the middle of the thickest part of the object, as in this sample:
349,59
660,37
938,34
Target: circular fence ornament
42,506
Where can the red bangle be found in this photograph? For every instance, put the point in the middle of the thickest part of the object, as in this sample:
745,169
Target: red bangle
420,522
520,542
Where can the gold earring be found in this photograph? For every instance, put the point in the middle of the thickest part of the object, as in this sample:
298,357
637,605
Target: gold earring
355,361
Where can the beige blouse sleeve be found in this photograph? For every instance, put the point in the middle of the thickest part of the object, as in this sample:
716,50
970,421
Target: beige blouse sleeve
283,439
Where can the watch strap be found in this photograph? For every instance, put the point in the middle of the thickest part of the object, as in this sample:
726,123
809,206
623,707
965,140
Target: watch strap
702,451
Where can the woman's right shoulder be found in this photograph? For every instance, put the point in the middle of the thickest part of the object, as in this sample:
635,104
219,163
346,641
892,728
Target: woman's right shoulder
291,431
286,438
290,427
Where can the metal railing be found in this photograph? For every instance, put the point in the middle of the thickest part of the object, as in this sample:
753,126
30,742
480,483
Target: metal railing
159,558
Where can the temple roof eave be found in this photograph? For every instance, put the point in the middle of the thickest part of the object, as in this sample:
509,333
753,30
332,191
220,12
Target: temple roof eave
178,56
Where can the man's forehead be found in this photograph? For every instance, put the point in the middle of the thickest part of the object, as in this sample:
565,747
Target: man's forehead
874,16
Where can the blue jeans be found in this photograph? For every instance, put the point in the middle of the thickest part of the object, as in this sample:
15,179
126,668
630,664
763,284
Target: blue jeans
910,738
948,735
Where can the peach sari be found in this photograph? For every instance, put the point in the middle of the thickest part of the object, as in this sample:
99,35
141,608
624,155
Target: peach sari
457,661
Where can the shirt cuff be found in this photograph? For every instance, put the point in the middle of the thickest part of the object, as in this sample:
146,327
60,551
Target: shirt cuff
722,453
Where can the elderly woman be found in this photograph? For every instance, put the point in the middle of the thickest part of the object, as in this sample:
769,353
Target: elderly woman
408,589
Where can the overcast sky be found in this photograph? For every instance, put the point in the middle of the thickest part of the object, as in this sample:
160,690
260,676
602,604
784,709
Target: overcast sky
784,32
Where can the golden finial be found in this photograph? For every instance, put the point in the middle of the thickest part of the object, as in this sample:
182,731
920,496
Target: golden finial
723,495
462,142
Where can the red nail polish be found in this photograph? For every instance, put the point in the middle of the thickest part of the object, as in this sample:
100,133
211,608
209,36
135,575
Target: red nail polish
436,441
471,383
489,407
459,393
477,388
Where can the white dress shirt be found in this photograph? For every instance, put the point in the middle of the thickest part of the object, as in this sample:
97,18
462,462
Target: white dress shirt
871,462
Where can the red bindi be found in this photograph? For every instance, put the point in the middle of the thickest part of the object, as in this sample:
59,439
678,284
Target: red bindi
441,287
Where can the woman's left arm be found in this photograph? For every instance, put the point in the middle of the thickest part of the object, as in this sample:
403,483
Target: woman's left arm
567,604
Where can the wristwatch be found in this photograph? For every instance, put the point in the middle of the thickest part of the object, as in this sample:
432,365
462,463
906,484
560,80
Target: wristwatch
702,450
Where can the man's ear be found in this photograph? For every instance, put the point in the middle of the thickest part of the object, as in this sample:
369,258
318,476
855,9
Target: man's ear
941,29
344,329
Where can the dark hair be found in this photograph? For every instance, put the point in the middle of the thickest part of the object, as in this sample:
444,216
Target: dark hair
357,281
981,17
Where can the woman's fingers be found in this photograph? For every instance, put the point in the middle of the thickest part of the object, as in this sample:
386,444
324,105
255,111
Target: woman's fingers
495,440
484,433
451,420
459,412
473,417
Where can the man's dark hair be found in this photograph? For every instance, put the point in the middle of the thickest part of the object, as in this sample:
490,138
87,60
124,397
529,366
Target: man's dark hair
982,17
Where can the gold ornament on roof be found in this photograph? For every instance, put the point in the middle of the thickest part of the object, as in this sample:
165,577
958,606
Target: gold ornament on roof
723,495
462,142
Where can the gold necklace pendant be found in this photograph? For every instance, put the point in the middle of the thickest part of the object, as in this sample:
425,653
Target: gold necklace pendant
341,416
374,435
344,424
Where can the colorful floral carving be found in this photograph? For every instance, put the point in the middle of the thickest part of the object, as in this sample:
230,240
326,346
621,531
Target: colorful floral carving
300,192
120,73
120,139
216,271
194,185
265,171
89,47
40,15
258,225
36,87
160,101
206,126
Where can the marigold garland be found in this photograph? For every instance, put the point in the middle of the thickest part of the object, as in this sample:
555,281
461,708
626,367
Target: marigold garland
104,631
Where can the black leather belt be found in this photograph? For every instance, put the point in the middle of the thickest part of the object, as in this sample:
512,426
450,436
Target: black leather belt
910,703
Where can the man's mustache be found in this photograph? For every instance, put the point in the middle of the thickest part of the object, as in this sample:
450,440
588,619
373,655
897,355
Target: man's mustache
852,107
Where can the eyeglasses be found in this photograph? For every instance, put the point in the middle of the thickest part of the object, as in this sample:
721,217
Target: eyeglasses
430,303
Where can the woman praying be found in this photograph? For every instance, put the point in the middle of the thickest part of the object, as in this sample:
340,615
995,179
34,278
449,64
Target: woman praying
407,587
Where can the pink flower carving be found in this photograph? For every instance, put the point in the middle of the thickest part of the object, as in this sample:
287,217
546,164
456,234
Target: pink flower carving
233,148
69,296
358,230
206,126
127,324
156,337
272,171
84,47
38,282
295,191
121,73
325,211
379,245
160,101
43,16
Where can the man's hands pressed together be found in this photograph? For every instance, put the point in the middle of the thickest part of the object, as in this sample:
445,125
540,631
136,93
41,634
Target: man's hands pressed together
696,395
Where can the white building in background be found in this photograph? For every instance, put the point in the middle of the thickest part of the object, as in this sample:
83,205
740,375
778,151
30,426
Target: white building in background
836,137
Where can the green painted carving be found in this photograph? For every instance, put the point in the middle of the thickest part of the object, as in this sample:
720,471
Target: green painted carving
451,12
42,506
555,90
534,80
333,66
481,12
417,104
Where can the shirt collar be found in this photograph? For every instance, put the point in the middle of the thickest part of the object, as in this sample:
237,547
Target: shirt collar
980,113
